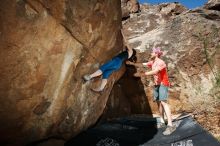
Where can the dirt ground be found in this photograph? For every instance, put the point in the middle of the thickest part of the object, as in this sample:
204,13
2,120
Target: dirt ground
211,122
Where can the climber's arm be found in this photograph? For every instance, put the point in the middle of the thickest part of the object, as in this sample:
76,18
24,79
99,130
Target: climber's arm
137,64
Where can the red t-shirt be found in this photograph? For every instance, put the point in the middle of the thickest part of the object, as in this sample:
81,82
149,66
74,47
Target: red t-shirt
161,77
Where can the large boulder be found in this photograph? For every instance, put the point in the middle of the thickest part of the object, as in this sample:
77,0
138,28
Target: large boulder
46,48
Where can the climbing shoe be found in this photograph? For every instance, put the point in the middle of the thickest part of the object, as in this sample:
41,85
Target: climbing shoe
97,90
86,77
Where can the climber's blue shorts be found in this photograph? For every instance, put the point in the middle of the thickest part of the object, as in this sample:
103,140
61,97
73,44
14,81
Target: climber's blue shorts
111,66
160,93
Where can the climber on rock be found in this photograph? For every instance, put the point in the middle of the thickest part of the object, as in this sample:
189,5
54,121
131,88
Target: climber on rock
112,65
161,84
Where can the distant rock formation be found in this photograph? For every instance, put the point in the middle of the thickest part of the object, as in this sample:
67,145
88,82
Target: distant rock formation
129,7
213,5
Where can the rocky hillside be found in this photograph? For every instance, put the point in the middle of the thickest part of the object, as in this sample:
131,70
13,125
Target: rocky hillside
190,40
46,47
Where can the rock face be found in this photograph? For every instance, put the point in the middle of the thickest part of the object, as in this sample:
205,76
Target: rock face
128,7
190,40
46,47
213,5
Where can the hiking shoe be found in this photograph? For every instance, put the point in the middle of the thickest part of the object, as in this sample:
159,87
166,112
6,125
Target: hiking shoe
86,77
169,130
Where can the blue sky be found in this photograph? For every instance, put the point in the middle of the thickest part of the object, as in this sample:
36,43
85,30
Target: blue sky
191,4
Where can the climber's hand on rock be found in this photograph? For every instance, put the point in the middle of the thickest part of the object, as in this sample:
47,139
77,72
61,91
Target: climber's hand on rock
129,63
137,74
